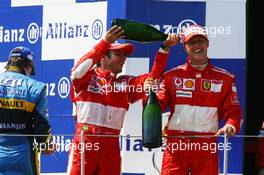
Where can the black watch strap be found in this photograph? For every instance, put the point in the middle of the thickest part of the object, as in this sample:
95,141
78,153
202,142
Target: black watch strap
164,47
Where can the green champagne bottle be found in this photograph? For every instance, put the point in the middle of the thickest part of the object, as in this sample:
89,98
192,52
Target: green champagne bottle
152,123
138,31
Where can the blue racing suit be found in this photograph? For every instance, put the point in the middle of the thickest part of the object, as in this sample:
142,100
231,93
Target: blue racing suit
23,111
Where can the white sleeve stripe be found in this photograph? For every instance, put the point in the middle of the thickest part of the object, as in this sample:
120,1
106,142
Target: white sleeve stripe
81,69
216,69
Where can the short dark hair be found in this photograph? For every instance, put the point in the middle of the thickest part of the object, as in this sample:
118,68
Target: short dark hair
108,54
19,58
18,64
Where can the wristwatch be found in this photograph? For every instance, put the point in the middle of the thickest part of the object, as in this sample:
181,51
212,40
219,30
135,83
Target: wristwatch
165,48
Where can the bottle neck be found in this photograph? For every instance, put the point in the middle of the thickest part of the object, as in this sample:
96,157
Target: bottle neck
152,97
138,31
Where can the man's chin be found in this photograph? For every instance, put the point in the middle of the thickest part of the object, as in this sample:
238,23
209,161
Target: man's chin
198,57
117,71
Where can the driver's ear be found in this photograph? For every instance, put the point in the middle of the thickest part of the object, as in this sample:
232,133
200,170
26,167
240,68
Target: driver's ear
207,43
104,57
28,70
184,47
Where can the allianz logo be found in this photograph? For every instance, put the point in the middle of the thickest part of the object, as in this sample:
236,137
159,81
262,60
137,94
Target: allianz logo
56,30
63,30
63,88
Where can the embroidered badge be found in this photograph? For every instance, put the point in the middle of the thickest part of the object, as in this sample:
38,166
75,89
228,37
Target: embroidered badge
206,85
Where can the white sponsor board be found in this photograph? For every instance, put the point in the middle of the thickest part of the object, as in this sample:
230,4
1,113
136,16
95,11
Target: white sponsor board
2,66
73,30
227,23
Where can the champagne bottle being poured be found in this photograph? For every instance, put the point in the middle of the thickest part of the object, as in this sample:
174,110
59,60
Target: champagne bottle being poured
138,31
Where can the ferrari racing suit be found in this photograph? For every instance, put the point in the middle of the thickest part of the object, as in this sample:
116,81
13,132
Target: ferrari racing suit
198,100
102,100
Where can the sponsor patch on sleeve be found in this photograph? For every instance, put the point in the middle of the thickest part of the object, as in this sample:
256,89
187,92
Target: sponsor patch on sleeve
234,97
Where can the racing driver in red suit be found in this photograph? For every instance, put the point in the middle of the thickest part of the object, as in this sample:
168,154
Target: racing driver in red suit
199,95
102,99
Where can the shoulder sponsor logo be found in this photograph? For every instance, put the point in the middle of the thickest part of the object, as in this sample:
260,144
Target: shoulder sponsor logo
187,94
234,97
234,89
